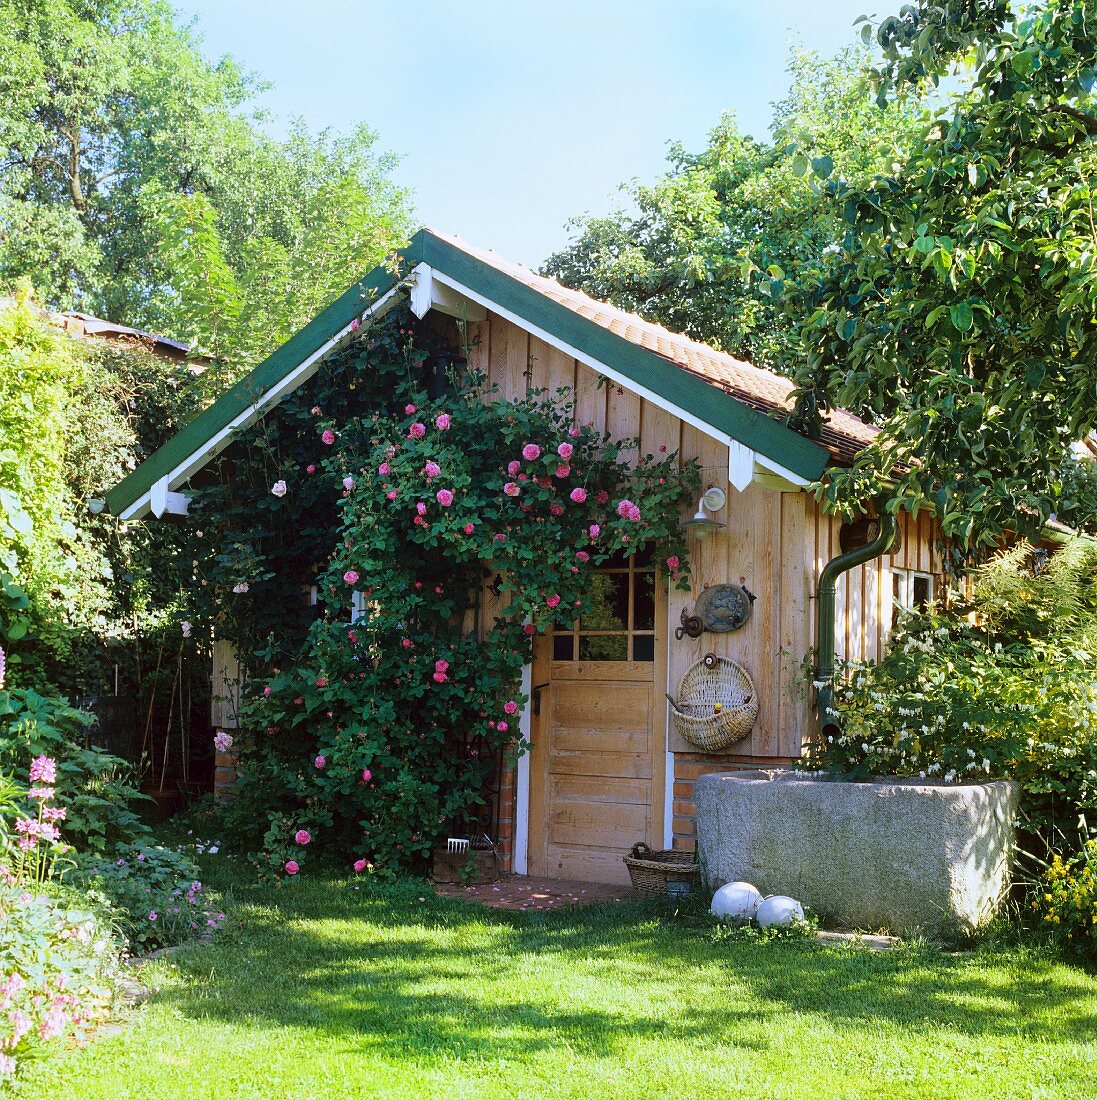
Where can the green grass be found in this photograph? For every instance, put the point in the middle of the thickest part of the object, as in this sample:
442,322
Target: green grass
333,989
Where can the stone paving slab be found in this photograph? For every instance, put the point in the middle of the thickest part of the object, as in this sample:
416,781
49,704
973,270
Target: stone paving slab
519,892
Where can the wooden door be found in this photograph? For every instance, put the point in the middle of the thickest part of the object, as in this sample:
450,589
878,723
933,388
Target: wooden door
598,761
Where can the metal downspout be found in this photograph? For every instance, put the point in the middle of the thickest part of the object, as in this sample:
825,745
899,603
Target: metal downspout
824,626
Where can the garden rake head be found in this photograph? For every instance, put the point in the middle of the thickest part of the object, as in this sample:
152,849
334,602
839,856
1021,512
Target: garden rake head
457,845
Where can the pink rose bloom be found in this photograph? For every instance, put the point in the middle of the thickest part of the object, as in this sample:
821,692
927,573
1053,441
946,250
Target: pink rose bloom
469,528
563,471
553,601
410,410
367,775
573,432
328,436
578,495
417,430
360,865
594,530
531,452
348,483
673,562
292,867
513,467
565,451
419,521
502,727
421,508
603,497
407,643
442,422
634,514
354,324
623,508
350,577
321,681
440,677
391,494
511,489
432,469
302,836
384,469
267,690
556,509
582,555
310,469
499,537
441,666
444,497
510,706
298,701
529,629
321,762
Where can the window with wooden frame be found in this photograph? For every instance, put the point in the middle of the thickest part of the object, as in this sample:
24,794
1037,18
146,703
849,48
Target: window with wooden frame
910,590
619,621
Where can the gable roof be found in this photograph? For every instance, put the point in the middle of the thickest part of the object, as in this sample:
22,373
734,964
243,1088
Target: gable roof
731,400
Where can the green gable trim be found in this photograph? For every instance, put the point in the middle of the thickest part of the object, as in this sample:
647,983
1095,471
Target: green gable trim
706,402
231,404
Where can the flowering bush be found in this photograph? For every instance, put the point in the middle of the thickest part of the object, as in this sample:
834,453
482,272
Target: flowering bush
58,966
1065,901
402,496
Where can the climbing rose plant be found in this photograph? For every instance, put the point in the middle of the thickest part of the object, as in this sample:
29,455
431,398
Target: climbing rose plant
380,731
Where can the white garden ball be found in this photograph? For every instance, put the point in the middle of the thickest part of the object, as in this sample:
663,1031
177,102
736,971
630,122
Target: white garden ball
778,909
736,901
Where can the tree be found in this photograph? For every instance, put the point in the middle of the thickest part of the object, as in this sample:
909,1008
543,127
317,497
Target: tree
959,310
740,206
132,183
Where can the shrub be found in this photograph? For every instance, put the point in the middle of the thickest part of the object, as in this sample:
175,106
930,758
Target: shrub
58,967
153,893
1065,901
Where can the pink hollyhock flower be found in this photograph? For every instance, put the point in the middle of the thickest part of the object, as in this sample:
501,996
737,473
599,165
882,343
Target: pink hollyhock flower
302,836
565,451
350,576
360,865
410,410
321,681
673,562
321,762
582,555
579,495
513,467
310,469
563,471
384,469
511,489
510,706
391,494
602,497
444,497
553,601
417,430
348,483
292,867
469,528
442,422
328,436
279,489
367,775
531,452
574,433
432,469
421,508
594,530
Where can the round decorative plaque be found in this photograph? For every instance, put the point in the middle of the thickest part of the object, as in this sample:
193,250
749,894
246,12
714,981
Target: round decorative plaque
724,607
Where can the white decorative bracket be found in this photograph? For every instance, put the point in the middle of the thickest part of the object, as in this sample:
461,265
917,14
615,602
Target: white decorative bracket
428,293
740,465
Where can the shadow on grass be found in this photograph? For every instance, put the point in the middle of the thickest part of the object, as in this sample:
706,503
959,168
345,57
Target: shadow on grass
381,970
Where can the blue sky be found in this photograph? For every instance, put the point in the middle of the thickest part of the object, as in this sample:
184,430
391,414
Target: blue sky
512,117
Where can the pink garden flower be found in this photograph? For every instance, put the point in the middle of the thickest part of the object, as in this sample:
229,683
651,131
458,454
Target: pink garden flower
553,601
279,489
367,775
442,422
222,741
510,706
153,914
673,562
439,677
310,468
40,794
602,497
565,451
350,576
574,433
384,469
562,470
348,483
469,528
579,495
328,436
391,494
432,469
513,467
594,530
421,508
417,430
321,762
582,555
302,836
410,410
321,681
292,867
531,452
502,727
511,489
444,497
43,769
623,508
360,865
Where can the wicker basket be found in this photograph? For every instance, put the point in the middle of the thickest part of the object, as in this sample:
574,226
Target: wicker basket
651,871
708,682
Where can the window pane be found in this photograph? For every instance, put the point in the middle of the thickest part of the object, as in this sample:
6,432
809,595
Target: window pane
602,647
563,647
923,592
643,603
643,647
607,603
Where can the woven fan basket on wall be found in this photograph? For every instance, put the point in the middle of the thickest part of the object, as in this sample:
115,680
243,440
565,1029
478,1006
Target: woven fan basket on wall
711,681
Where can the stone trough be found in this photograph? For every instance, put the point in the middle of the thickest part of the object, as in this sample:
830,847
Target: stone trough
896,854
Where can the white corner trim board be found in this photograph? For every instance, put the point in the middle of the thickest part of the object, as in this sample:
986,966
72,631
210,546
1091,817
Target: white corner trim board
521,781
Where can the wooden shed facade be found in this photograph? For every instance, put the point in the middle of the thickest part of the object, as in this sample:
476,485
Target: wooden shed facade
607,767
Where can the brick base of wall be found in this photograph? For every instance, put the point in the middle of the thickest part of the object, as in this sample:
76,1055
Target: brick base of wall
224,776
504,842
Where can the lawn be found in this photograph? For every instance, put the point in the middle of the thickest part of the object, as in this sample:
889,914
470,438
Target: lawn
335,989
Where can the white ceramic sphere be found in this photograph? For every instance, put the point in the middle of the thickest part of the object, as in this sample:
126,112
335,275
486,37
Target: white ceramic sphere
778,909
736,901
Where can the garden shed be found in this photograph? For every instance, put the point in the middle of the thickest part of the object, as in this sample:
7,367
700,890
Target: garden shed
609,765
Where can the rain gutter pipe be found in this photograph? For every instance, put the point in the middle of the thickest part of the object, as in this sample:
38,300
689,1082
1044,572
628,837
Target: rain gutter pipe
824,628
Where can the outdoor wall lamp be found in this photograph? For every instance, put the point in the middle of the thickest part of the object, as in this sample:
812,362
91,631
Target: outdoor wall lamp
712,500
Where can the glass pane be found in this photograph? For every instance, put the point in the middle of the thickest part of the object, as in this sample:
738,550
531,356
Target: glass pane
607,601
603,647
563,647
643,647
643,602
923,592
